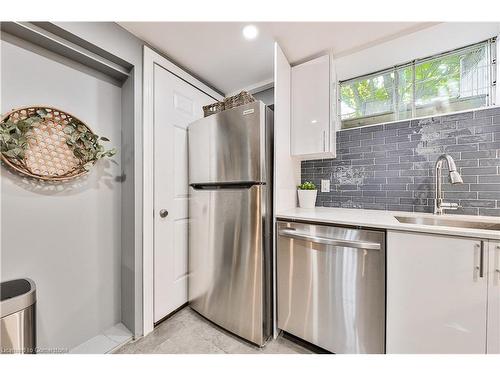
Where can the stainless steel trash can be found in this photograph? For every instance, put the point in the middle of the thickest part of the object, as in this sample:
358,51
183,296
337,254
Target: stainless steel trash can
17,316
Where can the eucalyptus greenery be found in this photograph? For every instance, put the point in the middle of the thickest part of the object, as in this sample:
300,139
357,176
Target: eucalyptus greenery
13,141
86,146
306,186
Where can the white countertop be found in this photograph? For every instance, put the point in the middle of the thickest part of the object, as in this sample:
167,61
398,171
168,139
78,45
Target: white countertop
386,220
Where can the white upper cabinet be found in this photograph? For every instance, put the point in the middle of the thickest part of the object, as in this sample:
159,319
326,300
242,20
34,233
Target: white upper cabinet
312,133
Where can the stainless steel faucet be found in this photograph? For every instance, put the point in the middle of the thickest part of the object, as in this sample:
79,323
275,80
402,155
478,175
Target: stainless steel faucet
454,178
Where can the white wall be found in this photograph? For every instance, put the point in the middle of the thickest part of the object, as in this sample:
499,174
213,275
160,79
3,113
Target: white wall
436,39
266,96
115,40
66,237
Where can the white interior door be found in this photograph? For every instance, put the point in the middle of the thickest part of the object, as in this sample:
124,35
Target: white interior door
176,105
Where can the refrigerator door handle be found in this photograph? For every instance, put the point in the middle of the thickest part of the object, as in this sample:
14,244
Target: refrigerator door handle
227,185
291,233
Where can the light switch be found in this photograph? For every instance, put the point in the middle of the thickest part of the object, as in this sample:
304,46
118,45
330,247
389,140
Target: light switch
325,186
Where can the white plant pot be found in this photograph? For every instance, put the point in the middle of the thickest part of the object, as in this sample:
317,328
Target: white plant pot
307,198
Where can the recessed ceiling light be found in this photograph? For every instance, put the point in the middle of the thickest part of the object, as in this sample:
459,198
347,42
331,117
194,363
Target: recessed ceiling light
250,32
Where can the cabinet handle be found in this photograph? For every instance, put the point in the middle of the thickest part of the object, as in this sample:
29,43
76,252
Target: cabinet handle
324,140
481,260
497,270
478,261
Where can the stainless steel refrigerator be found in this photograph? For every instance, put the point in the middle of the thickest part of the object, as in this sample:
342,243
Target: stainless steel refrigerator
230,220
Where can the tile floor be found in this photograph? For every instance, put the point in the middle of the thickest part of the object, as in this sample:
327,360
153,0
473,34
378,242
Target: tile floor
186,332
105,342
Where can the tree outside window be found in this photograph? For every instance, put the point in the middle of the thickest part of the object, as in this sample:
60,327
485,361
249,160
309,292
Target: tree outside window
451,82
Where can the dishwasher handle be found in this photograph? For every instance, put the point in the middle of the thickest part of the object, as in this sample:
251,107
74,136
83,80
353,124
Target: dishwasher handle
292,233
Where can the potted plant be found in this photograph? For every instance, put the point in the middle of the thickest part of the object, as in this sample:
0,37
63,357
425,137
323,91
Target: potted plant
307,194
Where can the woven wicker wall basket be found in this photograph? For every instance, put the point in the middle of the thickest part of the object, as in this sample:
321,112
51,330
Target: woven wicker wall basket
47,157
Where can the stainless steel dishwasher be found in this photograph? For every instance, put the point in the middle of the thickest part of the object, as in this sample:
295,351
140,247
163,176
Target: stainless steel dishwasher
331,286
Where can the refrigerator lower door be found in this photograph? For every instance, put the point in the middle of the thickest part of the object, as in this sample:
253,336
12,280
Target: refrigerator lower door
226,259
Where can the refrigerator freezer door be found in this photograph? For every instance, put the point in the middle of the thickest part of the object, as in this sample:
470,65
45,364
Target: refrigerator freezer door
229,146
226,280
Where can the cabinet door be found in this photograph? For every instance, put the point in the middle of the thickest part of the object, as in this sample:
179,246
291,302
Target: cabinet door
494,298
310,131
436,294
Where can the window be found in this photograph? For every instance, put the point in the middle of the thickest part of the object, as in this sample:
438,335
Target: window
453,81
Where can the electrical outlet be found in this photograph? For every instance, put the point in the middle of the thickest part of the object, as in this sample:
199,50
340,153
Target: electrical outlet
325,186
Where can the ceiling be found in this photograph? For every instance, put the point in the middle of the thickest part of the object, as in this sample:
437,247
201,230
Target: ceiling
217,53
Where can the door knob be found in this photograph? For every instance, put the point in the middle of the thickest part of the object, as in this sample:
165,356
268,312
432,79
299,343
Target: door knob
163,213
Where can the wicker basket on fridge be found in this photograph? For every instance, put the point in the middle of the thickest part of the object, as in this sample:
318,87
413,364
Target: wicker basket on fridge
213,108
240,99
228,103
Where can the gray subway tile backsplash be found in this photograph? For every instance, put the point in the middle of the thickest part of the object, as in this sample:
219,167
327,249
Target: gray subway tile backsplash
489,211
391,166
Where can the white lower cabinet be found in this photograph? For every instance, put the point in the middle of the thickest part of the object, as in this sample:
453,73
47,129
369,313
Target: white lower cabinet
437,294
493,342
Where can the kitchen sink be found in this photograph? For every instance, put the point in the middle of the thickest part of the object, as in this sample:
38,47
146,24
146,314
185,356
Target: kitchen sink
448,222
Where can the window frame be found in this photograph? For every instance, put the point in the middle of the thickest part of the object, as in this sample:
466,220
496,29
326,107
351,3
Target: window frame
491,50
